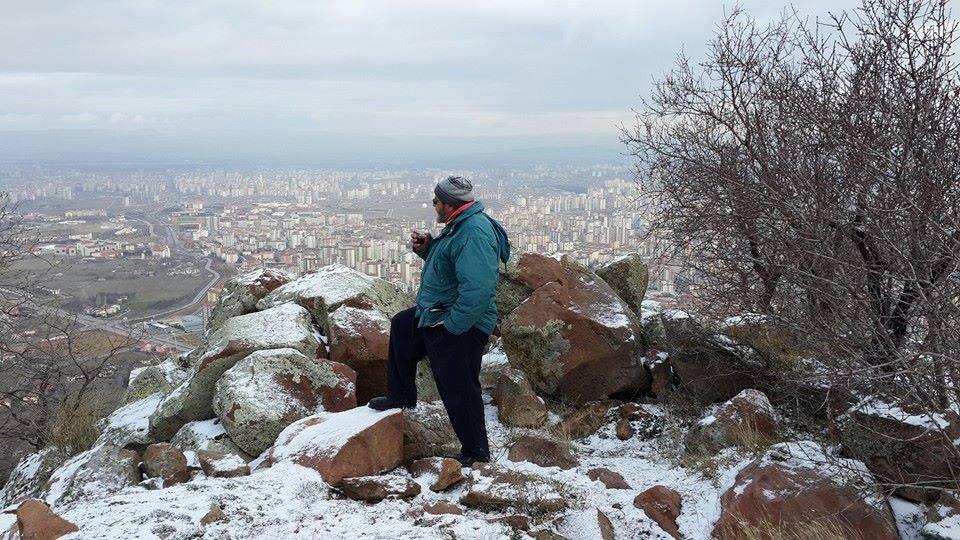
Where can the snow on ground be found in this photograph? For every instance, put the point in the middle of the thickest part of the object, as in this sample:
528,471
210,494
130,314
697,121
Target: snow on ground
289,501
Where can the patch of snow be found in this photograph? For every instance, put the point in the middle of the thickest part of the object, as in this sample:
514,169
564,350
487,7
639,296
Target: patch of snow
910,518
675,314
746,318
875,407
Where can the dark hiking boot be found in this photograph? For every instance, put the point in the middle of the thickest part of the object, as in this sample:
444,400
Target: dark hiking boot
383,403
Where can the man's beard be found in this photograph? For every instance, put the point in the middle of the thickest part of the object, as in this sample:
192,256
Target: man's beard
441,218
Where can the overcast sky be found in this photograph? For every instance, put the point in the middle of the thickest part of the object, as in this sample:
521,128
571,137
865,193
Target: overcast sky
492,68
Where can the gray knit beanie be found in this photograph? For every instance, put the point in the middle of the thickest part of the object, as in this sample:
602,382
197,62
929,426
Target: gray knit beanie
454,190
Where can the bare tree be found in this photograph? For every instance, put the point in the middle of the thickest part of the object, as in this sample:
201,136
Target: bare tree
810,172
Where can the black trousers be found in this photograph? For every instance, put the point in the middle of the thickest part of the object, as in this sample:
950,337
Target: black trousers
455,361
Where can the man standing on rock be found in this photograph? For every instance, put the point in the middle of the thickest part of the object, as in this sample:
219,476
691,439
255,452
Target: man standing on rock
454,315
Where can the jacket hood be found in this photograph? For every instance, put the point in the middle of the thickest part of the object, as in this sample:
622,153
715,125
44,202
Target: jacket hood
503,242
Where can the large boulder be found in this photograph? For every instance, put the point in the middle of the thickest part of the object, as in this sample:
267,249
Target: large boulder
36,521
574,337
710,366
745,419
628,276
511,291
491,486
149,380
30,474
270,389
241,293
129,425
908,447
517,404
166,462
796,486
427,432
284,326
336,285
358,442
360,338
101,471
207,435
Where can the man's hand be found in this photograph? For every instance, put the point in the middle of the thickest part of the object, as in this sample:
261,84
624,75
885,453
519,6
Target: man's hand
420,241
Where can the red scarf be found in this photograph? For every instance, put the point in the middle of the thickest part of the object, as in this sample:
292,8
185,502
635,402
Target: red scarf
458,211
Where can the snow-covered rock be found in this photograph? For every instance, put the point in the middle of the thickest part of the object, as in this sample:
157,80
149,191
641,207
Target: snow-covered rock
358,442
574,337
495,486
129,425
270,389
360,338
241,293
149,380
333,286
747,415
543,452
943,518
377,488
438,473
166,463
663,505
284,326
207,435
628,276
220,465
30,474
799,484
103,470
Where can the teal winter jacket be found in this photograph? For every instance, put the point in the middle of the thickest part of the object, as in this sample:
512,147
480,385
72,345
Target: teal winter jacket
461,272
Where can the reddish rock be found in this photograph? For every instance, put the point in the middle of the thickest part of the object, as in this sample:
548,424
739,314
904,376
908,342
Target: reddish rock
491,486
35,521
662,505
589,523
442,507
360,338
517,522
377,488
517,404
661,373
739,420
445,472
221,465
543,452
167,462
606,527
583,421
624,429
358,442
798,484
214,515
574,337
610,479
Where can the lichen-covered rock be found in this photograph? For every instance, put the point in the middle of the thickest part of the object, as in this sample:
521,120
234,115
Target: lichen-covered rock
284,326
739,420
377,488
241,293
905,446
491,486
30,474
426,384
517,404
511,292
128,426
574,337
427,432
629,277
336,285
208,435
101,471
794,485
270,389
543,452
358,442
360,338
149,380
166,462
710,366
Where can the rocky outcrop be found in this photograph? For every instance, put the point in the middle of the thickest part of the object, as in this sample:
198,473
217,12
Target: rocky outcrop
207,435
798,485
491,486
662,505
36,521
710,366
166,462
542,452
241,293
574,337
98,472
377,488
741,420
30,474
336,285
128,426
905,446
358,442
149,380
270,389
517,404
427,432
360,338
629,277
283,326
441,473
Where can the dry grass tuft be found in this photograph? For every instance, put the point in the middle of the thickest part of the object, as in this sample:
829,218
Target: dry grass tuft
814,530
73,428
